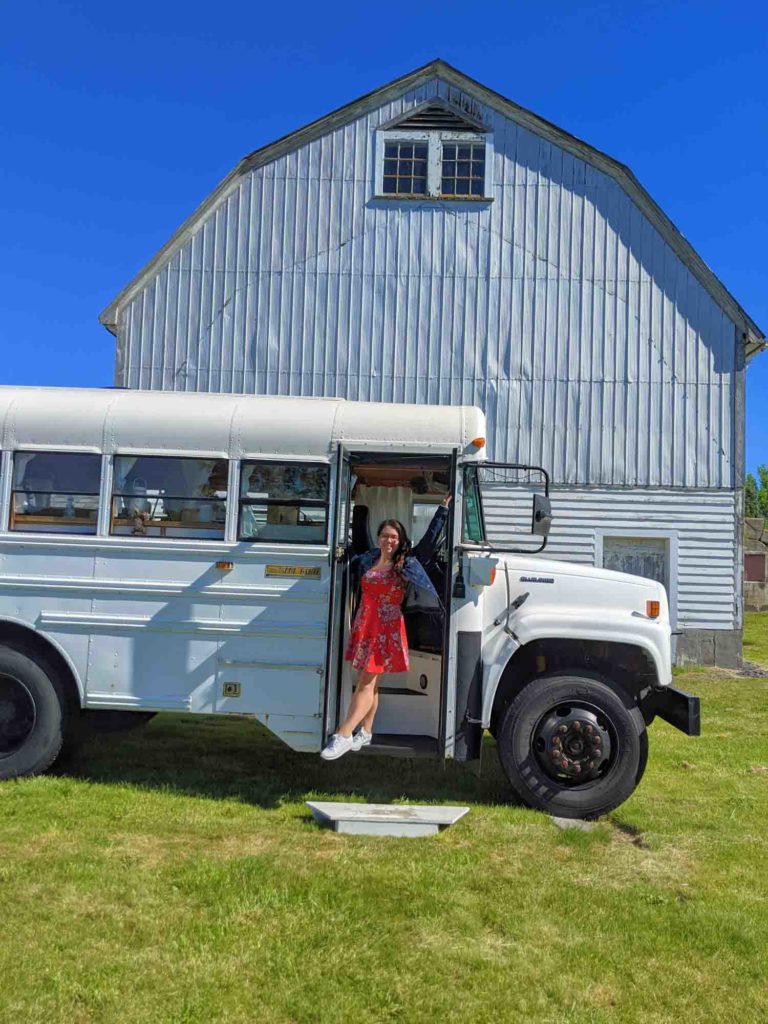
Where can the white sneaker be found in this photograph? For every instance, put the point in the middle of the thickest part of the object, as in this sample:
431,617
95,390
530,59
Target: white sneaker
338,745
361,739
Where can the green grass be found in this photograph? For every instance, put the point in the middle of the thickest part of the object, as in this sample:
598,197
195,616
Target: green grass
756,637
174,875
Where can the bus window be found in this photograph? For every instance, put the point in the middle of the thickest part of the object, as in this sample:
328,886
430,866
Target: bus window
473,516
55,492
166,496
287,503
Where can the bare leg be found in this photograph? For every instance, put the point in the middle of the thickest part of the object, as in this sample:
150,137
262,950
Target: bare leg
362,701
368,720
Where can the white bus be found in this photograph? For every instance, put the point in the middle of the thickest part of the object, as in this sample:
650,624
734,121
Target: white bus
189,553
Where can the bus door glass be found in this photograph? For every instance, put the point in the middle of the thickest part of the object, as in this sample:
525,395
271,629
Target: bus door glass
450,625
339,589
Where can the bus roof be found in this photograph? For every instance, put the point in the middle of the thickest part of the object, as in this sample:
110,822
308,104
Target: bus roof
111,420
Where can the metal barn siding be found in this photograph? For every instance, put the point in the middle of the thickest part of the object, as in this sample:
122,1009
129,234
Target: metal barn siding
557,307
699,527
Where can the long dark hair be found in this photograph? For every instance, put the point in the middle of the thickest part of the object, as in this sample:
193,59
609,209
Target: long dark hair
403,548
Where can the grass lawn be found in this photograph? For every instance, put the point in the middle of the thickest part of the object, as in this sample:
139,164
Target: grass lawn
756,637
174,875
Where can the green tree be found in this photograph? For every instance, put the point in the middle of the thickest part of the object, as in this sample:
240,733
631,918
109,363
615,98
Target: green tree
762,492
756,494
751,501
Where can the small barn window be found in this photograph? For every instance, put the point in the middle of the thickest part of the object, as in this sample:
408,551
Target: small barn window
639,556
405,168
435,151
55,492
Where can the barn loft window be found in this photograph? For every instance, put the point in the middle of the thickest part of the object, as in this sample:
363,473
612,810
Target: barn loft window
434,152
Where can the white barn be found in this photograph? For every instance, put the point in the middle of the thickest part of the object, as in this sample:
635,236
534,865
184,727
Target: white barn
436,242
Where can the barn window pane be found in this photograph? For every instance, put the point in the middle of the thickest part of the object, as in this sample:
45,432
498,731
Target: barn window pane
639,556
163,496
405,168
55,492
463,171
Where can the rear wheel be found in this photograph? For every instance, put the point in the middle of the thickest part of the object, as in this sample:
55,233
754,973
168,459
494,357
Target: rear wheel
569,746
32,715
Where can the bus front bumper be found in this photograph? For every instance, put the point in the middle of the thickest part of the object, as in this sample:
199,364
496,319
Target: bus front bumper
680,709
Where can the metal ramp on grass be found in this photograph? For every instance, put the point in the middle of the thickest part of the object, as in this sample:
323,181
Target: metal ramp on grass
384,819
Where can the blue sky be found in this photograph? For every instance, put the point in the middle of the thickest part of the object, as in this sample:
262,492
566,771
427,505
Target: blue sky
117,120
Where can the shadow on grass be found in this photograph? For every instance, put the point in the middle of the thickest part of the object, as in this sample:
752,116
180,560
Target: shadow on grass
234,759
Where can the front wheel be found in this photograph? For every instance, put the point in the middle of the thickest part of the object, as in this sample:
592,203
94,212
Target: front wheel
570,747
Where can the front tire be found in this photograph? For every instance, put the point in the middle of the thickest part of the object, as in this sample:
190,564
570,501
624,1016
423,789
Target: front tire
32,716
569,746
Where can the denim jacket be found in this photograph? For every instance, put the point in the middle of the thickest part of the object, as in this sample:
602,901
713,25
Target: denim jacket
421,592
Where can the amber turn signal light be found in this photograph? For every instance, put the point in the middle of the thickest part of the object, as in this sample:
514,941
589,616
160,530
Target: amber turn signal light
653,609
493,576
478,442
225,565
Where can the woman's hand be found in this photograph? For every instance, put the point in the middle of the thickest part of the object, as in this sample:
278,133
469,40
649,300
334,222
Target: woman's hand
447,500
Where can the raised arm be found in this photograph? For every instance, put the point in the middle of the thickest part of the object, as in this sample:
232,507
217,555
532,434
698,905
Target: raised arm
424,550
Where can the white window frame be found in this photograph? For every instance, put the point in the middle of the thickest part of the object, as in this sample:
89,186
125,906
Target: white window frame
434,140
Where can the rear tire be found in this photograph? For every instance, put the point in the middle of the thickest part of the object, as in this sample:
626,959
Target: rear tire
570,747
32,715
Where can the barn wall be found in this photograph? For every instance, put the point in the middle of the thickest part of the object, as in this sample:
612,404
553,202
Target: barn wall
699,527
557,307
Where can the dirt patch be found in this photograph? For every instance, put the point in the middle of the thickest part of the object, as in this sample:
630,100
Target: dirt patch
626,833
753,670
46,844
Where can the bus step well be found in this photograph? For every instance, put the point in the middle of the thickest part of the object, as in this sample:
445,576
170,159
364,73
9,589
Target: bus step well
401,745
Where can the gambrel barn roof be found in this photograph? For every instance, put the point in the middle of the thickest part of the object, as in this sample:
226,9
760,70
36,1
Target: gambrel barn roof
754,339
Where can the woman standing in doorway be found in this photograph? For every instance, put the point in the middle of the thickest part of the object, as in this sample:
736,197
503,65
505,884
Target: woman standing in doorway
378,643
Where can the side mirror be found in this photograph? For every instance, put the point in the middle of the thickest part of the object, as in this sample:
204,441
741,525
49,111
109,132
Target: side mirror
542,516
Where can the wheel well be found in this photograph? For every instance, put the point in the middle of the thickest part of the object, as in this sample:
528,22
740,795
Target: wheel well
627,668
30,642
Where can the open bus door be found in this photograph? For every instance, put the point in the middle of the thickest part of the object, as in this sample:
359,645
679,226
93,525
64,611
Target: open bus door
511,488
453,711
339,584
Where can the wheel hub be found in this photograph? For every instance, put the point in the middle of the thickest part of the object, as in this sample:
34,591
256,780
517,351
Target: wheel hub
17,715
572,743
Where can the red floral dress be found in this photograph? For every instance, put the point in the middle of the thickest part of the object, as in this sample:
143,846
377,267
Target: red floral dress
378,642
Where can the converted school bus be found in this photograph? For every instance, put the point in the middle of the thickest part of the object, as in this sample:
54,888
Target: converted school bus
435,242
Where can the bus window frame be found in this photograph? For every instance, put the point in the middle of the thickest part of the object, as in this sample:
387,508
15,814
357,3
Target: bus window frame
10,522
284,502
110,494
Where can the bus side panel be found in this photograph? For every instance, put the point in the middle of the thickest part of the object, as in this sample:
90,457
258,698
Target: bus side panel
181,634
272,665
154,628
42,583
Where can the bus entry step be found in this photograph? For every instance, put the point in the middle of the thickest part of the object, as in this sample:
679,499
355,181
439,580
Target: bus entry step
384,819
